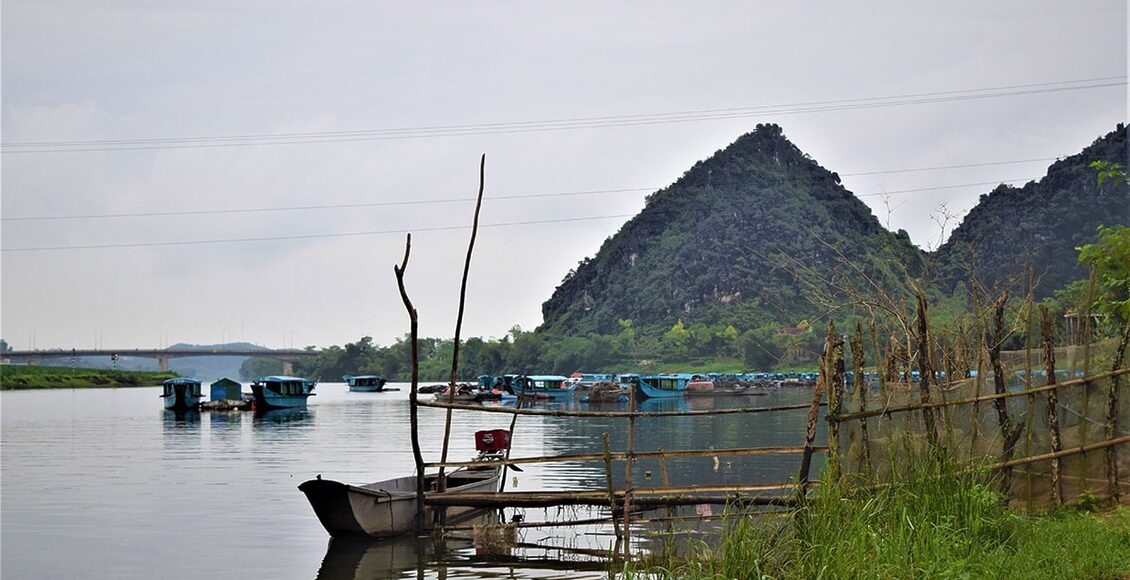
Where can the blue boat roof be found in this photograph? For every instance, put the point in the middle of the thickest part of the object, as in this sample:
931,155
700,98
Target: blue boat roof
547,377
182,381
282,378
347,377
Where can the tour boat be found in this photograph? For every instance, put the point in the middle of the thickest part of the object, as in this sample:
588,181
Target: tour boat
662,386
181,394
364,383
277,392
554,387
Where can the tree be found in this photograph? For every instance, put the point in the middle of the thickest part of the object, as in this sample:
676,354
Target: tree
1109,256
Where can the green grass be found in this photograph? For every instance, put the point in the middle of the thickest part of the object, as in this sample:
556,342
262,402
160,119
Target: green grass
13,377
929,523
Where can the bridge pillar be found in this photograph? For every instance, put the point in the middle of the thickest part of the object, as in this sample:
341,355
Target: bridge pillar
163,363
288,367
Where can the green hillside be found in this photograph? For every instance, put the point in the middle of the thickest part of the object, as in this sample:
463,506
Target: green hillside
737,240
1039,225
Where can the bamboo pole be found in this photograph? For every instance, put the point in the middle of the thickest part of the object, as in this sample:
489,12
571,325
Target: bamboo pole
1110,443
566,413
1084,403
413,401
1009,434
1031,399
861,386
810,436
509,443
1047,330
979,382
925,369
628,460
648,497
981,399
620,456
664,477
611,486
441,480
1112,414
833,367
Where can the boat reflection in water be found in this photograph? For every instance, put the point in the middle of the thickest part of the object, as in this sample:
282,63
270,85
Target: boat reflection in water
349,558
357,557
280,416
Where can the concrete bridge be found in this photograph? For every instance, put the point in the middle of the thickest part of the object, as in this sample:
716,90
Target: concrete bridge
31,357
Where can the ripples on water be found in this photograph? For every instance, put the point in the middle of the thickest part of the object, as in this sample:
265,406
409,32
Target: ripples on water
103,483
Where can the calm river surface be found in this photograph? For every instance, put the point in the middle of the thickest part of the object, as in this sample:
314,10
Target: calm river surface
103,483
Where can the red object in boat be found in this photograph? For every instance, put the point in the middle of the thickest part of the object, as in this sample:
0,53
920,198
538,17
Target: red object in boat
700,386
493,440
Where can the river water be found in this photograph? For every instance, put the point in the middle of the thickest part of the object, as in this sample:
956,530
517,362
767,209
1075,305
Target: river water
104,483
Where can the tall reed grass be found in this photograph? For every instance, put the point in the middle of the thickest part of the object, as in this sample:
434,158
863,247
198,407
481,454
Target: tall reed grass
929,520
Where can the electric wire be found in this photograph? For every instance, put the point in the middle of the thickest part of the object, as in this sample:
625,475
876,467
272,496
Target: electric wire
141,144
469,199
397,231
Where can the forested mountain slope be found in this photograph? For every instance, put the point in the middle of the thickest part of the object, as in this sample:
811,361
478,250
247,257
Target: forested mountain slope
1038,225
736,240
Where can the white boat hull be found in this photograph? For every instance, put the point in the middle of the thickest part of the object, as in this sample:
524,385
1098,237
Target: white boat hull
388,508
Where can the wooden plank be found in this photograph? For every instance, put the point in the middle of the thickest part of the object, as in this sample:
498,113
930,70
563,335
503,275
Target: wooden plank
565,413
620,456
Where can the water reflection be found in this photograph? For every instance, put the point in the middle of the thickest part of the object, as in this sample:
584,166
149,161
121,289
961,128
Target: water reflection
181,419
282,416
357,558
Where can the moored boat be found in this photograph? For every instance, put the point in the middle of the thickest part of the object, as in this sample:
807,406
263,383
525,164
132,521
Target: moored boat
365,383
387,508
662,386
554,387
280,392
181,394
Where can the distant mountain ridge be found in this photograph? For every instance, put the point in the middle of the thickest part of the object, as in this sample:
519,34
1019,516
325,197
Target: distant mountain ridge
724,242
1038,225
742,236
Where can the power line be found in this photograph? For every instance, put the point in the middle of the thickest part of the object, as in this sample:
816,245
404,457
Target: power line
321,207
309,236
410,230
142,144
468,199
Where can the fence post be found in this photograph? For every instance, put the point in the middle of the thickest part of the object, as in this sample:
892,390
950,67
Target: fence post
834,382
1009,434
611,486
1047,330
925,371
1112,414
861,387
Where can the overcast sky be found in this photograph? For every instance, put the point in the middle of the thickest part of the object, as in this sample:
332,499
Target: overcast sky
615,98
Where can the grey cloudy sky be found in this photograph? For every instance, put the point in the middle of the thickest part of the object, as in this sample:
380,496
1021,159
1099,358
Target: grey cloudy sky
333,78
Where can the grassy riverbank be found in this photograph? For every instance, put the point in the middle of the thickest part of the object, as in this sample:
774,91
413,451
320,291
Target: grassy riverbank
13,377
929,524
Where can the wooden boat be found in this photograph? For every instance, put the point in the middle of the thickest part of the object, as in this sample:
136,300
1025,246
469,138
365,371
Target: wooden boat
555,387
365,383
280,392
662,386
181,394
387,508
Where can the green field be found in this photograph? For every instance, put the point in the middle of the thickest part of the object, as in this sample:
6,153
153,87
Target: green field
14,377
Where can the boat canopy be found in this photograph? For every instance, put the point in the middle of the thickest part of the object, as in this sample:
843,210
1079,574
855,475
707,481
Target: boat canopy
281,379
547,378
182,381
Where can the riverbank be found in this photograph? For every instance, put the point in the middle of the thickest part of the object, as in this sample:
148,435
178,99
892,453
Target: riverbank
931,522
19,377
